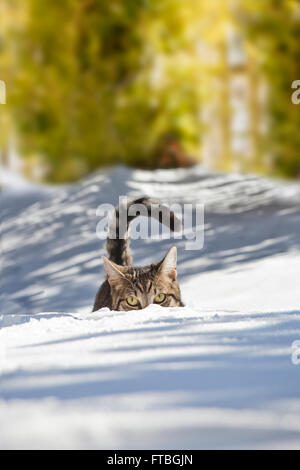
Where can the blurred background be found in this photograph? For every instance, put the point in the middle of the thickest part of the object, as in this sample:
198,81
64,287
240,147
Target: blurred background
149,84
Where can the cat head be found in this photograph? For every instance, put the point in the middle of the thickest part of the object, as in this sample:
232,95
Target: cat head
134,288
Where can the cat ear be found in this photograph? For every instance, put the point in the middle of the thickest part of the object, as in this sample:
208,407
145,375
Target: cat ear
113,271
168,264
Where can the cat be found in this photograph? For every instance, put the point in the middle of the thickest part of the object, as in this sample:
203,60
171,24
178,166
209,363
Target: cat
132,288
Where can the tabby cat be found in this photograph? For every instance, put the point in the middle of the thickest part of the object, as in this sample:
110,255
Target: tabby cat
129,287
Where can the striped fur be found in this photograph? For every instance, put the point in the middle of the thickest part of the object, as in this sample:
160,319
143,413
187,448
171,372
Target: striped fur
144,283
118,247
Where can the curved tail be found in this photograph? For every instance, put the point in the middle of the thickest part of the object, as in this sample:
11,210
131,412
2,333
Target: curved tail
117,243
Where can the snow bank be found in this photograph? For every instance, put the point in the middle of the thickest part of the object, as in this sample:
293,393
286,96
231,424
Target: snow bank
217,373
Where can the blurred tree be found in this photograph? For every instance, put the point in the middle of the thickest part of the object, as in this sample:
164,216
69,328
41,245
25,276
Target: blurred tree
96,83
100,82
273,28
5,124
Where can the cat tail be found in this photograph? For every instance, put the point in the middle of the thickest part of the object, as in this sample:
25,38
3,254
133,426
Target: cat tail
117,243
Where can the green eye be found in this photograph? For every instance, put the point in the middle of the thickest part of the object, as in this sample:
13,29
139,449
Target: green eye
132,301
160,298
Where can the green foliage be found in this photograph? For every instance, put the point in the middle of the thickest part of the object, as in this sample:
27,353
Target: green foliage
94,82
86,93
273,26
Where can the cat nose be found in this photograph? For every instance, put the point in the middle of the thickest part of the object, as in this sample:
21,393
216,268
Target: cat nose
144,302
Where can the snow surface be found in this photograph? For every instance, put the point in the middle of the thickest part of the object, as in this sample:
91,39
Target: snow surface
217,373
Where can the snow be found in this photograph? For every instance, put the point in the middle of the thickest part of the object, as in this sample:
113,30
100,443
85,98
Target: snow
217,373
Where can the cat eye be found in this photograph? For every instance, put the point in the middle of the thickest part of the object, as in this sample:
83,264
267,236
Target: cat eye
132,301
160,298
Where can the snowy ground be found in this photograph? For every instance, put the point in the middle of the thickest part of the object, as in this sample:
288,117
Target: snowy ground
215,374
